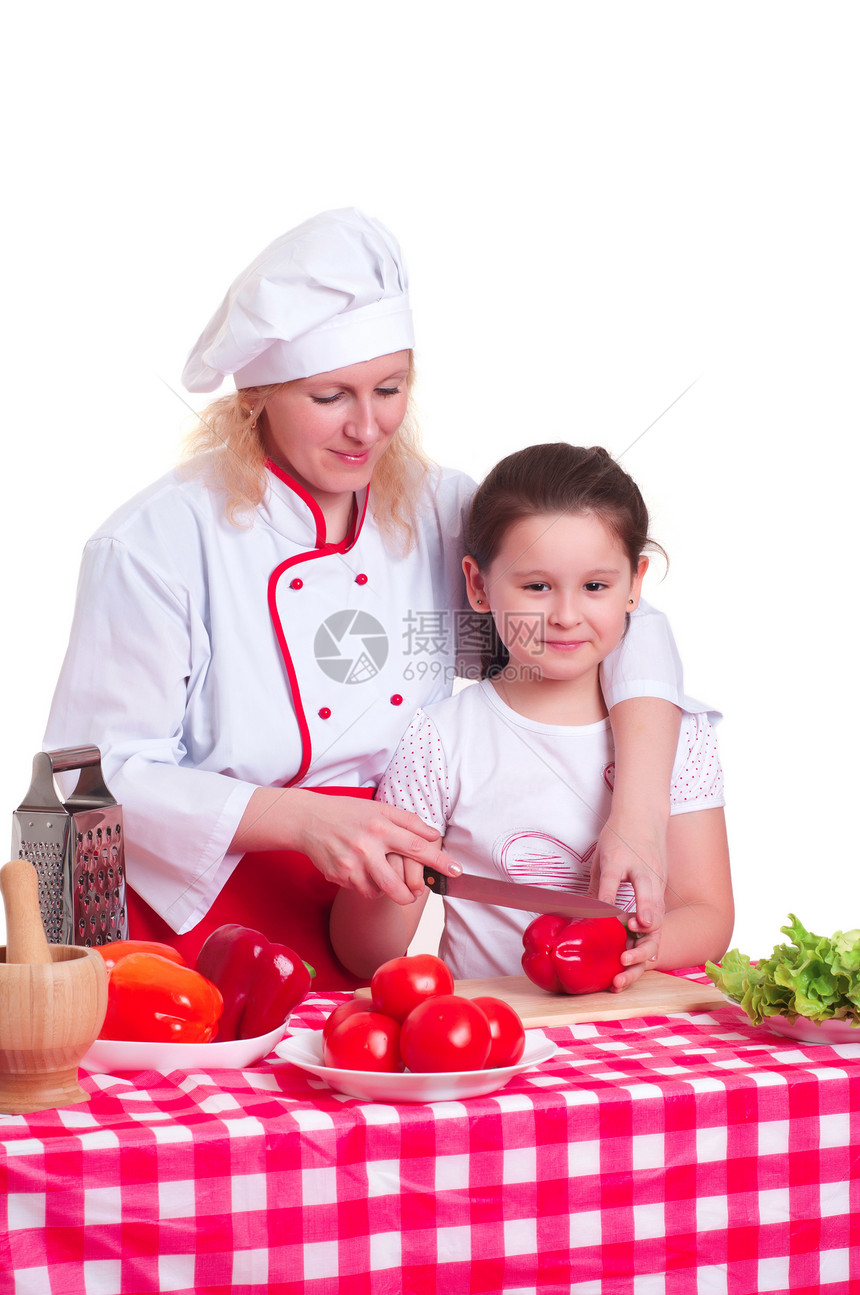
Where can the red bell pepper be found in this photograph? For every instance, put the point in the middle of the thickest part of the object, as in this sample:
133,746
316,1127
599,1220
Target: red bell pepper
261,982
573,957
154,999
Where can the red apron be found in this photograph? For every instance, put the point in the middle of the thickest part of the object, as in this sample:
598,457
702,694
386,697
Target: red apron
296,914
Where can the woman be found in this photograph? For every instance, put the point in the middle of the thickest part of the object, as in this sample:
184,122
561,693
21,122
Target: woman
250,631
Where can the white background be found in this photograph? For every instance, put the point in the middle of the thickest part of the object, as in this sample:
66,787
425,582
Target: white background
600,205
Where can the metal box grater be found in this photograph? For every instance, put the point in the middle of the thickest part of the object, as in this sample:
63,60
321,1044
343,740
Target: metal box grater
76,848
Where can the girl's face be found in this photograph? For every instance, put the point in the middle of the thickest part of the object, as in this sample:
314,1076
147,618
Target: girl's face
329,431
559,590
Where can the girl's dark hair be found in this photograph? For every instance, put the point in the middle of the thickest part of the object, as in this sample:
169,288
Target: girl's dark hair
554,478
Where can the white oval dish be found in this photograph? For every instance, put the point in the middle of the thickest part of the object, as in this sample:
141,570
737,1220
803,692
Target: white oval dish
304,1049
804,1030
109,1056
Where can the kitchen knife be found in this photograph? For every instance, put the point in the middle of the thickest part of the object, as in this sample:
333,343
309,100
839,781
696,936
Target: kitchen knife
510,894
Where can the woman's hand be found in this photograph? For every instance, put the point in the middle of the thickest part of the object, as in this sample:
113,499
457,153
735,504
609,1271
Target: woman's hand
632,845
634,852
364,845
698,895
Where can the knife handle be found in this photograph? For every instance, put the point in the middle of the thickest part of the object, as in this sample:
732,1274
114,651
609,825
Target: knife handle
436,881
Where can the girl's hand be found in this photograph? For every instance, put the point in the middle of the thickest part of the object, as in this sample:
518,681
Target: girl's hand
640,955
412,872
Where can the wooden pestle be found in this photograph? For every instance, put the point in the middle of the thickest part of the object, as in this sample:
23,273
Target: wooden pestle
25,932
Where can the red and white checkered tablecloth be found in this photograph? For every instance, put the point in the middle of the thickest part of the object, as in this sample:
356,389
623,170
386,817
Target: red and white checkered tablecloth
691,1155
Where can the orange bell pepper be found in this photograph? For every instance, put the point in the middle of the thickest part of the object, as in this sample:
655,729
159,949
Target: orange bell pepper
154,999
122,948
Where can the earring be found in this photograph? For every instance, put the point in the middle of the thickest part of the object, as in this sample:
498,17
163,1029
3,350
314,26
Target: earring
479,601
629,602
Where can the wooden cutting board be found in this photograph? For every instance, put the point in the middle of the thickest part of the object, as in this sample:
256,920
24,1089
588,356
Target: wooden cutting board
653,994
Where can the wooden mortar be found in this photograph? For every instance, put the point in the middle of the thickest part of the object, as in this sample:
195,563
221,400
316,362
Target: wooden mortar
53,999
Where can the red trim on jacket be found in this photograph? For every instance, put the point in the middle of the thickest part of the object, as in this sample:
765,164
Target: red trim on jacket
306,498
322,550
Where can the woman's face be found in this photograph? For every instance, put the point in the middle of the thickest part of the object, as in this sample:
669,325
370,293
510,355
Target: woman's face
329,431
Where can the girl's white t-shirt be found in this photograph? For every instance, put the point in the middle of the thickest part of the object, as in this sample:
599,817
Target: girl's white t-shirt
522,801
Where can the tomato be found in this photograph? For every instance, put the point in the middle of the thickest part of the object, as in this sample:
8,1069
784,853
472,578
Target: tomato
112,953
343,1012
364,1041
508,1038
400,985
445,1033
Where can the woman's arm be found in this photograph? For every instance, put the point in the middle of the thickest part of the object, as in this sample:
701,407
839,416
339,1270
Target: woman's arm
699,901
133,684
632,845
643,685
372,848
137,647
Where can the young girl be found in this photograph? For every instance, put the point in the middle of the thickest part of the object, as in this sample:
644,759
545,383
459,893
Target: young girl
516,772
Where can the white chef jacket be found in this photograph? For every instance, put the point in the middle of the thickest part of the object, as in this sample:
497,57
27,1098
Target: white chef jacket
206,659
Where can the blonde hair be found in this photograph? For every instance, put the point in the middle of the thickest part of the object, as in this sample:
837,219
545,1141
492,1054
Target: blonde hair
226,449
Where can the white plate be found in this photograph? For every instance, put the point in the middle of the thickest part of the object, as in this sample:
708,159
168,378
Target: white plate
803,1030
108,1056
304,1049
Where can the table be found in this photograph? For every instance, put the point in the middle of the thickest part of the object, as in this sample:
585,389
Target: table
692,1155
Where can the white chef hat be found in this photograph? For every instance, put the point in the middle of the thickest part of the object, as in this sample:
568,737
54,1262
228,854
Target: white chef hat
331,292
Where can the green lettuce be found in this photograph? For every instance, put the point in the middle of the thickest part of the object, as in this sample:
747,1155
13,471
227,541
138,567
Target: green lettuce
813,976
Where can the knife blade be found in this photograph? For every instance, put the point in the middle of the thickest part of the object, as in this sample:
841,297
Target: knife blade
510,894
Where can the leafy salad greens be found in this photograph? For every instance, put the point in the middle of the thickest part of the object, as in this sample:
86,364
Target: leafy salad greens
814,976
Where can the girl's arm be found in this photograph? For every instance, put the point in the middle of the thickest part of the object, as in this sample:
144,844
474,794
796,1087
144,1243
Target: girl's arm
699,903
367,932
